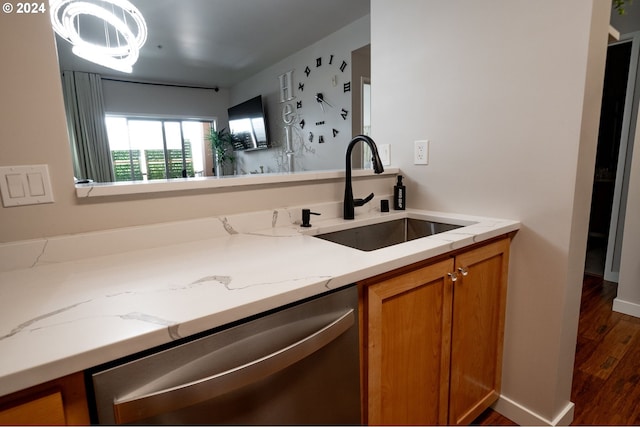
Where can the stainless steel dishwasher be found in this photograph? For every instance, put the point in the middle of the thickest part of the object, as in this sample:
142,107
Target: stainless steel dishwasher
296,365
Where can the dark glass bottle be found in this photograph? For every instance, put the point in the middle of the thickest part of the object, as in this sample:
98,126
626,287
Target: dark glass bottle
399,195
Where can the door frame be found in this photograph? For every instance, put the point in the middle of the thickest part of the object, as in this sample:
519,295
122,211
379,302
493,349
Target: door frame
616,226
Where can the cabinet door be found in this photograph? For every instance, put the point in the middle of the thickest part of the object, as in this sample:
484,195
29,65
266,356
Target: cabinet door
479,297
42,410
58,402
407,324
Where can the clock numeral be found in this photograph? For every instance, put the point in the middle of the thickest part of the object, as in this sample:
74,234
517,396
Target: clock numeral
310,136
344,113
347,87
318,62
330,59
343,66
307,71
321,139
298,104
335,132
320,123
302,124
301,87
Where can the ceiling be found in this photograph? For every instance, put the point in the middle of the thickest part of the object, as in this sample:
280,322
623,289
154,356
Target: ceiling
218,43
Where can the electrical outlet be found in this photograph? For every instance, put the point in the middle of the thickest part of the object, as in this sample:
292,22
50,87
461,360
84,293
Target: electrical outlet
421,152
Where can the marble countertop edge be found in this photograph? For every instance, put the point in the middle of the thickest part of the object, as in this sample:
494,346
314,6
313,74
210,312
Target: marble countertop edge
49,333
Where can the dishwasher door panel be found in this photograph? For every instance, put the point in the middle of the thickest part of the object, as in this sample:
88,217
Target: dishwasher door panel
299,365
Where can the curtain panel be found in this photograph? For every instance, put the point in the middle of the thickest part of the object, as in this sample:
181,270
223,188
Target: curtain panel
84,104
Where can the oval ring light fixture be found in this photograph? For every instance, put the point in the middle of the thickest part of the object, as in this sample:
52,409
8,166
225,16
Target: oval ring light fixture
66,19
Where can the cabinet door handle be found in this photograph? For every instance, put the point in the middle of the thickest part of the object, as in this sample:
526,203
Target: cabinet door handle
463,271
454,276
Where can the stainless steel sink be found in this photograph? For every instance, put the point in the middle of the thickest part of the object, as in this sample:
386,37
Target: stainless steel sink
384,234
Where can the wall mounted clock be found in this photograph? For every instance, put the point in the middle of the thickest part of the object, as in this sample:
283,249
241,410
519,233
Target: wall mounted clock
324,90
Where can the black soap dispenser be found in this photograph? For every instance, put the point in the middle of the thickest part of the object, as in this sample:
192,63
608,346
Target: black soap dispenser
399,195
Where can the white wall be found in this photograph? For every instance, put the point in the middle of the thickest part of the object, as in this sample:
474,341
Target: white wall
169,101
501,90
497,86
144,99
309,155
32,131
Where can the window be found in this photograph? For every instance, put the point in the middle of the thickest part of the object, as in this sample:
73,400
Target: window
149,148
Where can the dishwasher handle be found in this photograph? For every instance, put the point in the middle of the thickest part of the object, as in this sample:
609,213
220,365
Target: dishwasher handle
135,408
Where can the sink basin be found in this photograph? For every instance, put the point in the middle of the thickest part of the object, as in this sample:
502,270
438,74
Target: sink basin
384,234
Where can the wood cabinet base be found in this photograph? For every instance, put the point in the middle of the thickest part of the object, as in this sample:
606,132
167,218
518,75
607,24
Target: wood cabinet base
432,338
59,402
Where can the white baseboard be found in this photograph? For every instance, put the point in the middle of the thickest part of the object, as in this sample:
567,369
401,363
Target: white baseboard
525,417
626,307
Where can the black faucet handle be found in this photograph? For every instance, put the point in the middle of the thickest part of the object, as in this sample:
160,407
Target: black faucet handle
361,202
306,217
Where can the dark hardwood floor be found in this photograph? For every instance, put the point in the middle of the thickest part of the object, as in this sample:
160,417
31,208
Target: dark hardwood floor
492,418
606,374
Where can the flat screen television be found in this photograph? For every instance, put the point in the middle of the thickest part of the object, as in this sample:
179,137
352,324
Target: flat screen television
248,125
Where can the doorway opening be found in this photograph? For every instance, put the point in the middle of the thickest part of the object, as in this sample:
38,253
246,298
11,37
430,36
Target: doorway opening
610,135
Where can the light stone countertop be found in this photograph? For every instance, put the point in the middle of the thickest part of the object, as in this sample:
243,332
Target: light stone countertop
73,302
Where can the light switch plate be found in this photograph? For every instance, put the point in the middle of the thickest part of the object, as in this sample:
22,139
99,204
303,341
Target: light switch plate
25,185
384,153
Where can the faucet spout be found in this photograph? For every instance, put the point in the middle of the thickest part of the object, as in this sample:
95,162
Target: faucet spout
349,202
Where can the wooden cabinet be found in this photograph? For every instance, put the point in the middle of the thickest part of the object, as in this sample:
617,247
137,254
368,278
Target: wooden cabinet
406,333
479,299
432,338
59,402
